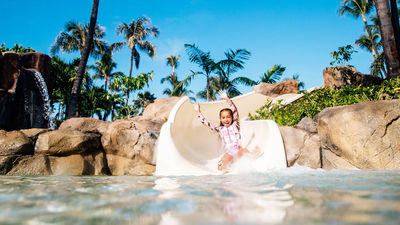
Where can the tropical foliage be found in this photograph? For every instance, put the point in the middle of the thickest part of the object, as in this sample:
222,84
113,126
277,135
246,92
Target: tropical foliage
73,38
135,34
313,103
204,61
272,75
342,55
16,48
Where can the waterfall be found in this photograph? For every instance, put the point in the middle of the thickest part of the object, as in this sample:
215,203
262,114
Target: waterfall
41,85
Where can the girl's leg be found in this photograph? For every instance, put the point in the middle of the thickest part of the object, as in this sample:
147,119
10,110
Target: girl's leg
255,153
242,151
225,160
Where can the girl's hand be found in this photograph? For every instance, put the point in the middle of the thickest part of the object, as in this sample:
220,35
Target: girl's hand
223,95
196,107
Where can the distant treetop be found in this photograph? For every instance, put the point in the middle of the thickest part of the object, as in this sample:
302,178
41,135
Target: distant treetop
17,48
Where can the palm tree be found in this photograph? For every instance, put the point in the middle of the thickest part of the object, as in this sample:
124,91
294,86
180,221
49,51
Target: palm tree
80,38
300,84
64,74
143,100
135,34
220,83
173,61
203,59
388,38
105,65
359,8
233,62
104,70
178,87
73,39
272,75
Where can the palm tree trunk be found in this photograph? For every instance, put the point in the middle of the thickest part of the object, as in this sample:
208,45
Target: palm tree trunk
105,83
388,38
130,70
76,88
395,23
208,89
371,38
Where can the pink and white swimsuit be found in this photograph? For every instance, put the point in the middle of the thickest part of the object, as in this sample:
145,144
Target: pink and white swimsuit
230,135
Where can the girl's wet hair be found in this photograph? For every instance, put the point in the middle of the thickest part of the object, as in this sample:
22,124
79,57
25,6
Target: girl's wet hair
223,110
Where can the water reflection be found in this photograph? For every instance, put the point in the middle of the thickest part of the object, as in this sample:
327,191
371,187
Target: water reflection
279,197
232,199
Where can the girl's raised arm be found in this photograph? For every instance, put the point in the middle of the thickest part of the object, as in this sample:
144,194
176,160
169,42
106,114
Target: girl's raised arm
232,105
203,119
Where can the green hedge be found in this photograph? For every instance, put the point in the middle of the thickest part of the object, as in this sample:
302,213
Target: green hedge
313,103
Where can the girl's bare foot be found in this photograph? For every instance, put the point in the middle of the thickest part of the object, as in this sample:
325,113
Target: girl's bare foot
223,168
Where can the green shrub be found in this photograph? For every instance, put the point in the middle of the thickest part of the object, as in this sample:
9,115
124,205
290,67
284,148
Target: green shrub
313,103
17,48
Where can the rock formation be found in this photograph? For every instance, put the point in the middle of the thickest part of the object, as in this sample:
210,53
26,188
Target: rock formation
361,136
341,76
86,146
24,93
280,88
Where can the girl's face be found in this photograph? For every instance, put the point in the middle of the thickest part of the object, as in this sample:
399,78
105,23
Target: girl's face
226,118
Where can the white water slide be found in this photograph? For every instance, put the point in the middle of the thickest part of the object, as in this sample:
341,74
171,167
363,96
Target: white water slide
187,147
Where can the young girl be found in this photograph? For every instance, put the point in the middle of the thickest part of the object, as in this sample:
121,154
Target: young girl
229,131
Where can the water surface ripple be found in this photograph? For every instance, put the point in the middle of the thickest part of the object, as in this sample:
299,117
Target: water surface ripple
291,196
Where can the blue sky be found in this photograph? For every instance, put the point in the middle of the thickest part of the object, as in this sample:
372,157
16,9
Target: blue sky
295,33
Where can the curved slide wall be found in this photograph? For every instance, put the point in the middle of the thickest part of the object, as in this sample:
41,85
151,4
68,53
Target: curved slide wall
187,147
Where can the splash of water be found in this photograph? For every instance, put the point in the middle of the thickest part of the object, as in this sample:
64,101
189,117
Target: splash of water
41,85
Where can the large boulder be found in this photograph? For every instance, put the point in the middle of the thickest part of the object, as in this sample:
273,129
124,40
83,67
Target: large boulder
39,62
131,139
301,147
31,165
83,164
62,143
366,134
341,76
85,125
40,164
9,70
307,124
11,63
22,91
124,166
331,161
159,110
280,88
33,133
15,142
7,163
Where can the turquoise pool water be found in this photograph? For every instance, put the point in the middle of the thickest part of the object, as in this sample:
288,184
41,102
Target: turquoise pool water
295,195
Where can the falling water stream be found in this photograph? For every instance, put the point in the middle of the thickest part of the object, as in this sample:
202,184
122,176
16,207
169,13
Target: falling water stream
42,87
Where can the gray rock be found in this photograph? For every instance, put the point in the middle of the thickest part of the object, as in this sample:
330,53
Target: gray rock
31,165
15,142
130,139
366,134
308,125
331,161
62,142
92,164
6,163
123,166
280,88
301,147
